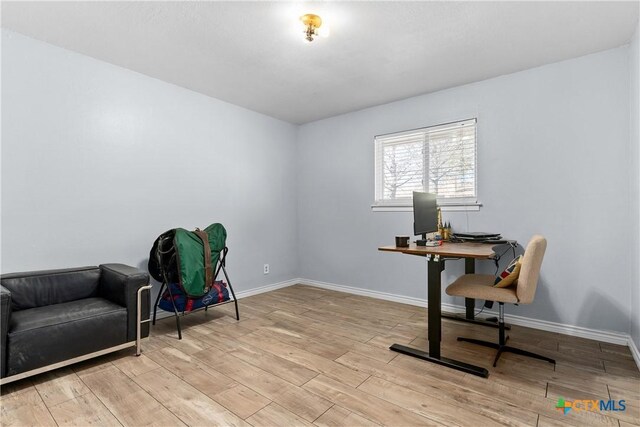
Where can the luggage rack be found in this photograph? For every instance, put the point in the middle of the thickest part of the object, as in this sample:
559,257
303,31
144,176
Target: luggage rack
165,283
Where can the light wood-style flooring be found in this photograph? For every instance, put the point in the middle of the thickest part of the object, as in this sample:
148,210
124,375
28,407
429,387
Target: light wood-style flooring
303,356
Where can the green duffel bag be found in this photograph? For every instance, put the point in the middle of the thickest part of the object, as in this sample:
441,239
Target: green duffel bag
188,258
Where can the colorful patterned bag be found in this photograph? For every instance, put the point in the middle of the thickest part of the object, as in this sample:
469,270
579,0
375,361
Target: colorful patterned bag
217,293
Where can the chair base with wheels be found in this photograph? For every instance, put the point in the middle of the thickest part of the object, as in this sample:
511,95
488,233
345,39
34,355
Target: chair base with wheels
502,346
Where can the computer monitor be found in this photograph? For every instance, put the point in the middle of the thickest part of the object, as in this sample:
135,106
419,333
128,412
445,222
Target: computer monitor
425,213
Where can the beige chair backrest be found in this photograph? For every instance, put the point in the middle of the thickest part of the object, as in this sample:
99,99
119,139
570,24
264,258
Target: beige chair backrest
530,270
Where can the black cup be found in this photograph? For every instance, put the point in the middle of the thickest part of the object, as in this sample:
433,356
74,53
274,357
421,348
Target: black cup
402,241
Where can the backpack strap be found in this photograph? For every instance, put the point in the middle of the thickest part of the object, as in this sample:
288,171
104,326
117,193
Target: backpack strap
208,269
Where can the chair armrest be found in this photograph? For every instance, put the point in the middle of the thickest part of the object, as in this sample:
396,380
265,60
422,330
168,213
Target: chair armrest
119,283
5,317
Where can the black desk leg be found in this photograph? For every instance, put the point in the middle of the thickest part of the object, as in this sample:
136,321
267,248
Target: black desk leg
449,363
433,306
435,328
470,304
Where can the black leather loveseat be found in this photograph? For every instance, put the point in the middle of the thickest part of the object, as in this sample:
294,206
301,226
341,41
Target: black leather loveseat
48,317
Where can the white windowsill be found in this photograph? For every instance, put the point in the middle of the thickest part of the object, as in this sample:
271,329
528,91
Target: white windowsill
409,208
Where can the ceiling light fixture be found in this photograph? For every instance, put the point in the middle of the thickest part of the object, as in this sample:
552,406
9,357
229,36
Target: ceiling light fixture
312,23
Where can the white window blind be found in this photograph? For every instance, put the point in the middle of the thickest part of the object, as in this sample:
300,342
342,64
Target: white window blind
438,159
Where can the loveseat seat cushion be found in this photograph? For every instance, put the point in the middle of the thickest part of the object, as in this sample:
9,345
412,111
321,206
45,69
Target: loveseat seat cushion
44,335
39,288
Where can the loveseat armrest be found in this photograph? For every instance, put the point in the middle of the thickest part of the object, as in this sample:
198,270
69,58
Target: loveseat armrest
5,318
119,283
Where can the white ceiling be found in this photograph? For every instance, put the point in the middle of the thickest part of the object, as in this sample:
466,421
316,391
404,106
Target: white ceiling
253,54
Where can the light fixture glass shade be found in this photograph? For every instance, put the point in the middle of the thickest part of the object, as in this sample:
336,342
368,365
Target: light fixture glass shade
312,24
310,19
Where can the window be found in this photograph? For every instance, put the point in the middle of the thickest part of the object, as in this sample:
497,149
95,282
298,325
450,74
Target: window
438,159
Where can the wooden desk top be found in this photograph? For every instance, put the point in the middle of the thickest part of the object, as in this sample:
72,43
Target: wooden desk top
462,250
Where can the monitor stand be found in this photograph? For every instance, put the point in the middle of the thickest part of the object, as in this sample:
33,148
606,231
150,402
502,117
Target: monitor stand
423,241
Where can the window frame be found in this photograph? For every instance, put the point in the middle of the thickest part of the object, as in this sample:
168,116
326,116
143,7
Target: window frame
406,204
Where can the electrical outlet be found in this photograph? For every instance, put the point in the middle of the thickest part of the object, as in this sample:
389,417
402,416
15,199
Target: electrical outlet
266,269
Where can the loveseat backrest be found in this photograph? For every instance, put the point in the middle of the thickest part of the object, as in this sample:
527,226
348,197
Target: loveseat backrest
40,288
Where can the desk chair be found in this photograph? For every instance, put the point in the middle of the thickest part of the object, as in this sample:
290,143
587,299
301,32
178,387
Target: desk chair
480,286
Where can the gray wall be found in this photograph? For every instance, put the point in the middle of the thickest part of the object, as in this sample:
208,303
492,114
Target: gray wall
634,133
552,159
97,161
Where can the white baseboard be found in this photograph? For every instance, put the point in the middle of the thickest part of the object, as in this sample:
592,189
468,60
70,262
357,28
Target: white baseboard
634,351
365,292
266,288
577,331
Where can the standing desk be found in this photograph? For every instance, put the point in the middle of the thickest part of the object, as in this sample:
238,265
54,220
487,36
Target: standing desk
435,265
